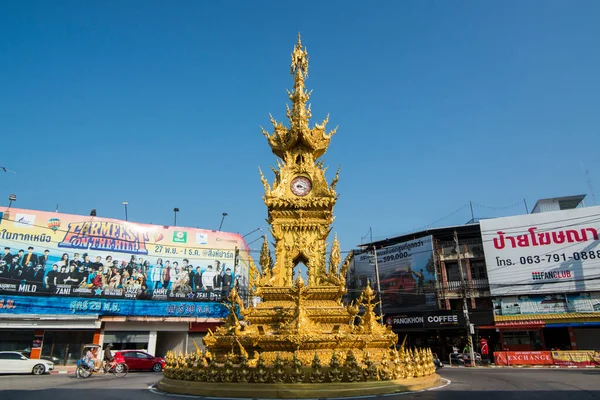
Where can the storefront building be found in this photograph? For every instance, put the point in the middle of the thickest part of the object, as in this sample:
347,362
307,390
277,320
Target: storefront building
531,282
416,308
67,280
160,327
544,271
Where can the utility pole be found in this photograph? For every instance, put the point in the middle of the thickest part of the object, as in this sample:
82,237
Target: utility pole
378,285
465,307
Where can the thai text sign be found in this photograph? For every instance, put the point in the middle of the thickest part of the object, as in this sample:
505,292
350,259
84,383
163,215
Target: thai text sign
543,253
53,254
113,307
523,358
576,357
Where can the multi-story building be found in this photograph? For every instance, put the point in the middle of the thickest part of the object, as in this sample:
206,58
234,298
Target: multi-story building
544,275
430,313
530,282
67,280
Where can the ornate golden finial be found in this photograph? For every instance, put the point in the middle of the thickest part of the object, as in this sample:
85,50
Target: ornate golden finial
288,143
335,179
299,60
334,257
344,269
368,322
253,276
265,262
264,182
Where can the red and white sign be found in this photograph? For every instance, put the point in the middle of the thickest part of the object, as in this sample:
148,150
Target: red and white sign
578,358
550,252
523,358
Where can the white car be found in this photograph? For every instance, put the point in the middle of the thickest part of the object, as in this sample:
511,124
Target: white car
13,362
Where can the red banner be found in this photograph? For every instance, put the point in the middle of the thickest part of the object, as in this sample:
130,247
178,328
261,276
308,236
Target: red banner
577,358
523,358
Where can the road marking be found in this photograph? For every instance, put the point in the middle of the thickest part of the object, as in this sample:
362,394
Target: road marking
448,381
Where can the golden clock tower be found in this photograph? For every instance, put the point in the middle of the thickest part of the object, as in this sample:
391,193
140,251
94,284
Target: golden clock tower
300,202
298,321
301,332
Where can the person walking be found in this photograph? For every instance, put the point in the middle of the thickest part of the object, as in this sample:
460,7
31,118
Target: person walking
483,344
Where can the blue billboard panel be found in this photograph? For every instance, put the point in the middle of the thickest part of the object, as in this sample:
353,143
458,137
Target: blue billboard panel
109,307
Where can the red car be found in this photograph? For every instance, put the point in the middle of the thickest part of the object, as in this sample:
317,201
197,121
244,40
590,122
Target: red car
140,360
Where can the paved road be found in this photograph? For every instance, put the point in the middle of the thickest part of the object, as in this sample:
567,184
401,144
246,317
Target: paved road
467,384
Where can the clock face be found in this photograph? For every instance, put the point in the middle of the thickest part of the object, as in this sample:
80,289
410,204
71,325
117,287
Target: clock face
301,186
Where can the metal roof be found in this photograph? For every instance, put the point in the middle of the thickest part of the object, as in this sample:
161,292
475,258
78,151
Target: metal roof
445,233
564,203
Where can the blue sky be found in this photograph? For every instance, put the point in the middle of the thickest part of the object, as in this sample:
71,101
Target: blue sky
159,103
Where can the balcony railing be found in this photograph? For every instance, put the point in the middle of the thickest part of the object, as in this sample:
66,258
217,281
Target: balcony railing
457,285
468,249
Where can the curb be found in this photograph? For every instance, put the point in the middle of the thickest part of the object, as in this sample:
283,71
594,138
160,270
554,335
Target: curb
61,372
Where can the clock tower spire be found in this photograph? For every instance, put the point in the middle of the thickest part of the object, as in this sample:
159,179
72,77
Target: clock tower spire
300,202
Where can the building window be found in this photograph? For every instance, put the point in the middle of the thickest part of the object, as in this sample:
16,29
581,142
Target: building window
452,272
478,270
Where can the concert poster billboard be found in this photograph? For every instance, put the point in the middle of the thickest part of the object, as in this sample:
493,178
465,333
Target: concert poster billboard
550,252
63,255
406,275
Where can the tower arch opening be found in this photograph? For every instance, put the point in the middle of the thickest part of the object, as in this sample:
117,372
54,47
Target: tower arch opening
300,268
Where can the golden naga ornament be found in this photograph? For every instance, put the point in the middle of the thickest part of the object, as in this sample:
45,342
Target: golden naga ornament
301,331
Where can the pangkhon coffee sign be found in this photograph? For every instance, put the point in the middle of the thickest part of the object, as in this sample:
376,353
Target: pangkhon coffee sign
433,319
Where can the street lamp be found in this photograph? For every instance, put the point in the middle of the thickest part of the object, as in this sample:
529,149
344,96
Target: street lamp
11,198
257,229
222,219
257,239
125,204
175,210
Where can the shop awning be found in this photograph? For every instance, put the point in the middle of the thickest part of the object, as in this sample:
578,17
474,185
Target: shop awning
550,318
522,317
34,321
536,321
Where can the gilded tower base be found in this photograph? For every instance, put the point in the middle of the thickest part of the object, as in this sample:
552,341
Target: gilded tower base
300,350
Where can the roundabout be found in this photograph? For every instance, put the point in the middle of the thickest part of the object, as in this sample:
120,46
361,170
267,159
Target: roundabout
299,390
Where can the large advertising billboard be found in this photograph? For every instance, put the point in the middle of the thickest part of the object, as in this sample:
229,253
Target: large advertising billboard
406,275
553,252
101,260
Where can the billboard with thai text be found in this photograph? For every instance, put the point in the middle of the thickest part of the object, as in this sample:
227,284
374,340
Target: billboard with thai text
406,275
64,255
45,305
552,252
